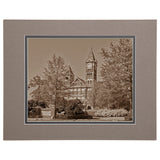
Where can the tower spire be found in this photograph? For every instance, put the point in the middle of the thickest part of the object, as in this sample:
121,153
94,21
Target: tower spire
91,68
91,56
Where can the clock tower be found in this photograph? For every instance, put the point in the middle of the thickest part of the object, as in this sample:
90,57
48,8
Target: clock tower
91,69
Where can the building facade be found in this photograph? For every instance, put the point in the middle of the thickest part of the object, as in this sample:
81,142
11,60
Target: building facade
79,88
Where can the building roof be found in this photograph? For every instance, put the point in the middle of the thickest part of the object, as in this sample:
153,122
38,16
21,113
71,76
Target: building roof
78,81
70,69
91,56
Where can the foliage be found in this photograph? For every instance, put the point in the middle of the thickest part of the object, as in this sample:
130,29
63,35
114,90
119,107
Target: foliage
61,103
51,88
116,72
97,97
55,74
34,112
40,93
129,116
74,110
42,104
35,81
34,103
111,113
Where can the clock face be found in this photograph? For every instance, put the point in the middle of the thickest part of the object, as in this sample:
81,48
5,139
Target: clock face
89,65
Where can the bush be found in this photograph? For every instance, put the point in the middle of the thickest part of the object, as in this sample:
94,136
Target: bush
35,103
34,112
42,104
74,110
32,103
60,109
111,113
61,105
129,116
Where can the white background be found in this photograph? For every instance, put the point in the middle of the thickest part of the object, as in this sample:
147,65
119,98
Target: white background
82,9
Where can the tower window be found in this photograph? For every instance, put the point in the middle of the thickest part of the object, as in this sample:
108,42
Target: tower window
90,73
89,81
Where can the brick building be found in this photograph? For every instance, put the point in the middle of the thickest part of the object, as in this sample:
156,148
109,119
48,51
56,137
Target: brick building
79,88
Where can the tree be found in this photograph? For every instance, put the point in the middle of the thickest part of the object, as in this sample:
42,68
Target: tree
52,88
35,82
55,74
100,95
116,72
40,93
96,97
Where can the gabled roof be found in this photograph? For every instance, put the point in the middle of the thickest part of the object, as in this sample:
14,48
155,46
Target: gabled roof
77,79
70,69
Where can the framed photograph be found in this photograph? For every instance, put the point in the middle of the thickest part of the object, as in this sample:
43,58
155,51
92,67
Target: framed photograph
79,79
95,85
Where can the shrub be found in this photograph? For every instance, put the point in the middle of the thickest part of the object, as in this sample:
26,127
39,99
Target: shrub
129,116
35,103
34,112
111,113
32,103
61,105
42,104
74,110
60,109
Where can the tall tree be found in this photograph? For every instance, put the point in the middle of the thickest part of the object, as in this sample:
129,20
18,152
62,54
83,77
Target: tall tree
116,72
40,89
52,89
97,96
55,74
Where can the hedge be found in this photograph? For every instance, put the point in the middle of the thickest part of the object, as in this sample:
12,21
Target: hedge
34,112
111,113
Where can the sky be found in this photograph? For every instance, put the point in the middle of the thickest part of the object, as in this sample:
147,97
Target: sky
74,51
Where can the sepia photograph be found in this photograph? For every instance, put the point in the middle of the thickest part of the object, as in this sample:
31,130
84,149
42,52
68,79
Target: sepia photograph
88,79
